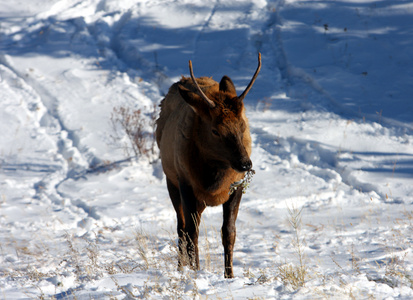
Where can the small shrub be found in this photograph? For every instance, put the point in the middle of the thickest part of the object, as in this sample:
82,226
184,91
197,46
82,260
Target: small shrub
138,128
295,275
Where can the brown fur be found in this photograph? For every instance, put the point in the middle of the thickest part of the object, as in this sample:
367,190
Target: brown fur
205,146
178,148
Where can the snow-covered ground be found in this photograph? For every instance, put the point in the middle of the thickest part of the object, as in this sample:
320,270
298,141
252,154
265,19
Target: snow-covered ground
331,116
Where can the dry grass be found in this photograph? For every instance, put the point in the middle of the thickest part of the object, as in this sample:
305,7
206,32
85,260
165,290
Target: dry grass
92,258
295,275
135,131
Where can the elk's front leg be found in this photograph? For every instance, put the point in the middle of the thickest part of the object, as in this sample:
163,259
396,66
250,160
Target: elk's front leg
192,212
229,231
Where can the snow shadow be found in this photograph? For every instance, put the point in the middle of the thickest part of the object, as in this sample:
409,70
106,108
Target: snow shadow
140,46
357,55
28,167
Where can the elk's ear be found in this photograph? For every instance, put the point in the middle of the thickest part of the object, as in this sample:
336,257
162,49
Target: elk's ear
226,85
194,101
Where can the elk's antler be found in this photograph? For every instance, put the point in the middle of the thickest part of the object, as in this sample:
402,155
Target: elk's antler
210,103
252,80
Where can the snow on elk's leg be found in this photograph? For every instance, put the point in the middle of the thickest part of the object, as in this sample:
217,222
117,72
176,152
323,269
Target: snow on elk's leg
228,229
192,212
176,201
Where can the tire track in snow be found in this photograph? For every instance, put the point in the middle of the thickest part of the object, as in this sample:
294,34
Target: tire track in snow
127,56
294,78
67,147
303,86
205,26
320,160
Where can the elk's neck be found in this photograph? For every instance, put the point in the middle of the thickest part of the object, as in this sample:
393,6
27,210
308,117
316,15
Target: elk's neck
212,175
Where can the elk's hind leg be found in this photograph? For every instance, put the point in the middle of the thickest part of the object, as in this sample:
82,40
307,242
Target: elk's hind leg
229,231
192,211
175,196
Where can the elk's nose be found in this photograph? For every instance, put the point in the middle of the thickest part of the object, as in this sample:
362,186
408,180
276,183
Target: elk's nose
241,165
246,165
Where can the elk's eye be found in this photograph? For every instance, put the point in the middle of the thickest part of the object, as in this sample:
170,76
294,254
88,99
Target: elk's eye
216,133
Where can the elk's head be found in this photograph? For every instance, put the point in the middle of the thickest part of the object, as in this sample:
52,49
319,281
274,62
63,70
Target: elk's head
222,123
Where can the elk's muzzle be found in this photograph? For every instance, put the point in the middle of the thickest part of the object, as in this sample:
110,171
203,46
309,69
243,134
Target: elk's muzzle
242,165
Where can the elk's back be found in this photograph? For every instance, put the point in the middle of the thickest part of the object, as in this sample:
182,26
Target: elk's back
174,108
175,125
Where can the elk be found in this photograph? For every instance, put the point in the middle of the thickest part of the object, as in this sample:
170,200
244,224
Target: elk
205,146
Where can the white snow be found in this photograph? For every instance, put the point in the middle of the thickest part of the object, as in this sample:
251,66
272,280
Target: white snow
331,117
